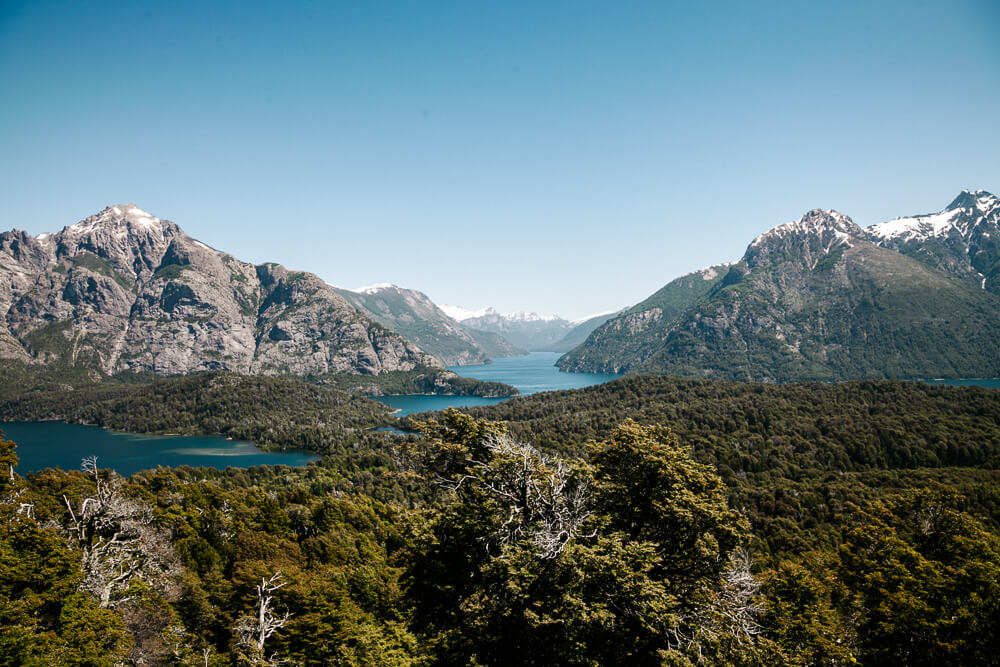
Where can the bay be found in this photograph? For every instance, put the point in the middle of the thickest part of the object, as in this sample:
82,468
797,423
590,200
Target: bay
530,374
57,444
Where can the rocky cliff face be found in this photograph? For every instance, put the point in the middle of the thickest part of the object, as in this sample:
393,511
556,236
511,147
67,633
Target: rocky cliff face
126,291
813,299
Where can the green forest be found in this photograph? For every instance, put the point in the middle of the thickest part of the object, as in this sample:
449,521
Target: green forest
645,521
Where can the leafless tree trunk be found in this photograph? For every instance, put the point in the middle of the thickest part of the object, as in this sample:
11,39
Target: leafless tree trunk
119,540
733,611
253,631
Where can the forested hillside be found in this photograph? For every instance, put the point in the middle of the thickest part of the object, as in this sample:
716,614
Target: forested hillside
646,521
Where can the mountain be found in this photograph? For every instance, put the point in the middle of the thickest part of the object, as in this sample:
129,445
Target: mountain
529,331
813,299
582,328
414,316
635,334
124,290
963,240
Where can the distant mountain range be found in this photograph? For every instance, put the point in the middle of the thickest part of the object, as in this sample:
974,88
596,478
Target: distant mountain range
413,315
821,298
124,290
529,331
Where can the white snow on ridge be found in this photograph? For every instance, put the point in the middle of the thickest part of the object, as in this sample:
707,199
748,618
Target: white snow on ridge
373,289
458,313
811,223
522,316
920,227
115,215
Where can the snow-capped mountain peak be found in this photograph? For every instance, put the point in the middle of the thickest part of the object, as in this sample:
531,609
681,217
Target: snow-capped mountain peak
523,316
815,222
968,210
974,199
117,216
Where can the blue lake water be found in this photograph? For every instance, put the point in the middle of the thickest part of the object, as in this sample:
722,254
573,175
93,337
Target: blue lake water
56,444
530,373
991,383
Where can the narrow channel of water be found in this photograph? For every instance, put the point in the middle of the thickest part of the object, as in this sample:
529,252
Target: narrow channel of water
531,373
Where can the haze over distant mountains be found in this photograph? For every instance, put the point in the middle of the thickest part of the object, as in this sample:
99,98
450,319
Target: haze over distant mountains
530,331
413,315
821,298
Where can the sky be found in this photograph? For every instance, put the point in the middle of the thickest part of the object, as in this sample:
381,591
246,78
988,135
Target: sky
556,157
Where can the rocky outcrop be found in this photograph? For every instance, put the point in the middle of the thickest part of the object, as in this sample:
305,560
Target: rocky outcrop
126,291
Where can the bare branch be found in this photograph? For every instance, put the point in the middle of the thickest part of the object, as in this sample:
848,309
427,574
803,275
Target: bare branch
254,631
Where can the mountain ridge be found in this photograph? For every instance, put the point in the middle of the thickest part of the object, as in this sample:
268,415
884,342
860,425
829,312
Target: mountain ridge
814,299
124,290
413,315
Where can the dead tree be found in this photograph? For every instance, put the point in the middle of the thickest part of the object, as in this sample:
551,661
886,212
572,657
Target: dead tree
545,499
732,610
118,539
254,631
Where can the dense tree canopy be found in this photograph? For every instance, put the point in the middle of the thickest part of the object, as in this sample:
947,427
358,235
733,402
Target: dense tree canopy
650,522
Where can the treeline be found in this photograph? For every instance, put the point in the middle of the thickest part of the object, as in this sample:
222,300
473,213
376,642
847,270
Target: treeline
778,431
793,456
421,380
272,412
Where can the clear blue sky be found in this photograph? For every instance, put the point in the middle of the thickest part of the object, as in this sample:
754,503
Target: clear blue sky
559,157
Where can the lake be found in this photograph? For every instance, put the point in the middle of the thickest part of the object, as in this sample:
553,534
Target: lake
991,383
51,444
530,373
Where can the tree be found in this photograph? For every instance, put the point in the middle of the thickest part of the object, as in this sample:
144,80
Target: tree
120,542
543,561
651,489
922,580
254,630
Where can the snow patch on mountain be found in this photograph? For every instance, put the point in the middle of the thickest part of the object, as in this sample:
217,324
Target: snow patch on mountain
815,222
117,217
373,289
592,316
458,313
968,210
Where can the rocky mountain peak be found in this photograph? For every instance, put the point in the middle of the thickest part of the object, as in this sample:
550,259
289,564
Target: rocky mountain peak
126,290
980,200
127,216
815,222
807,239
